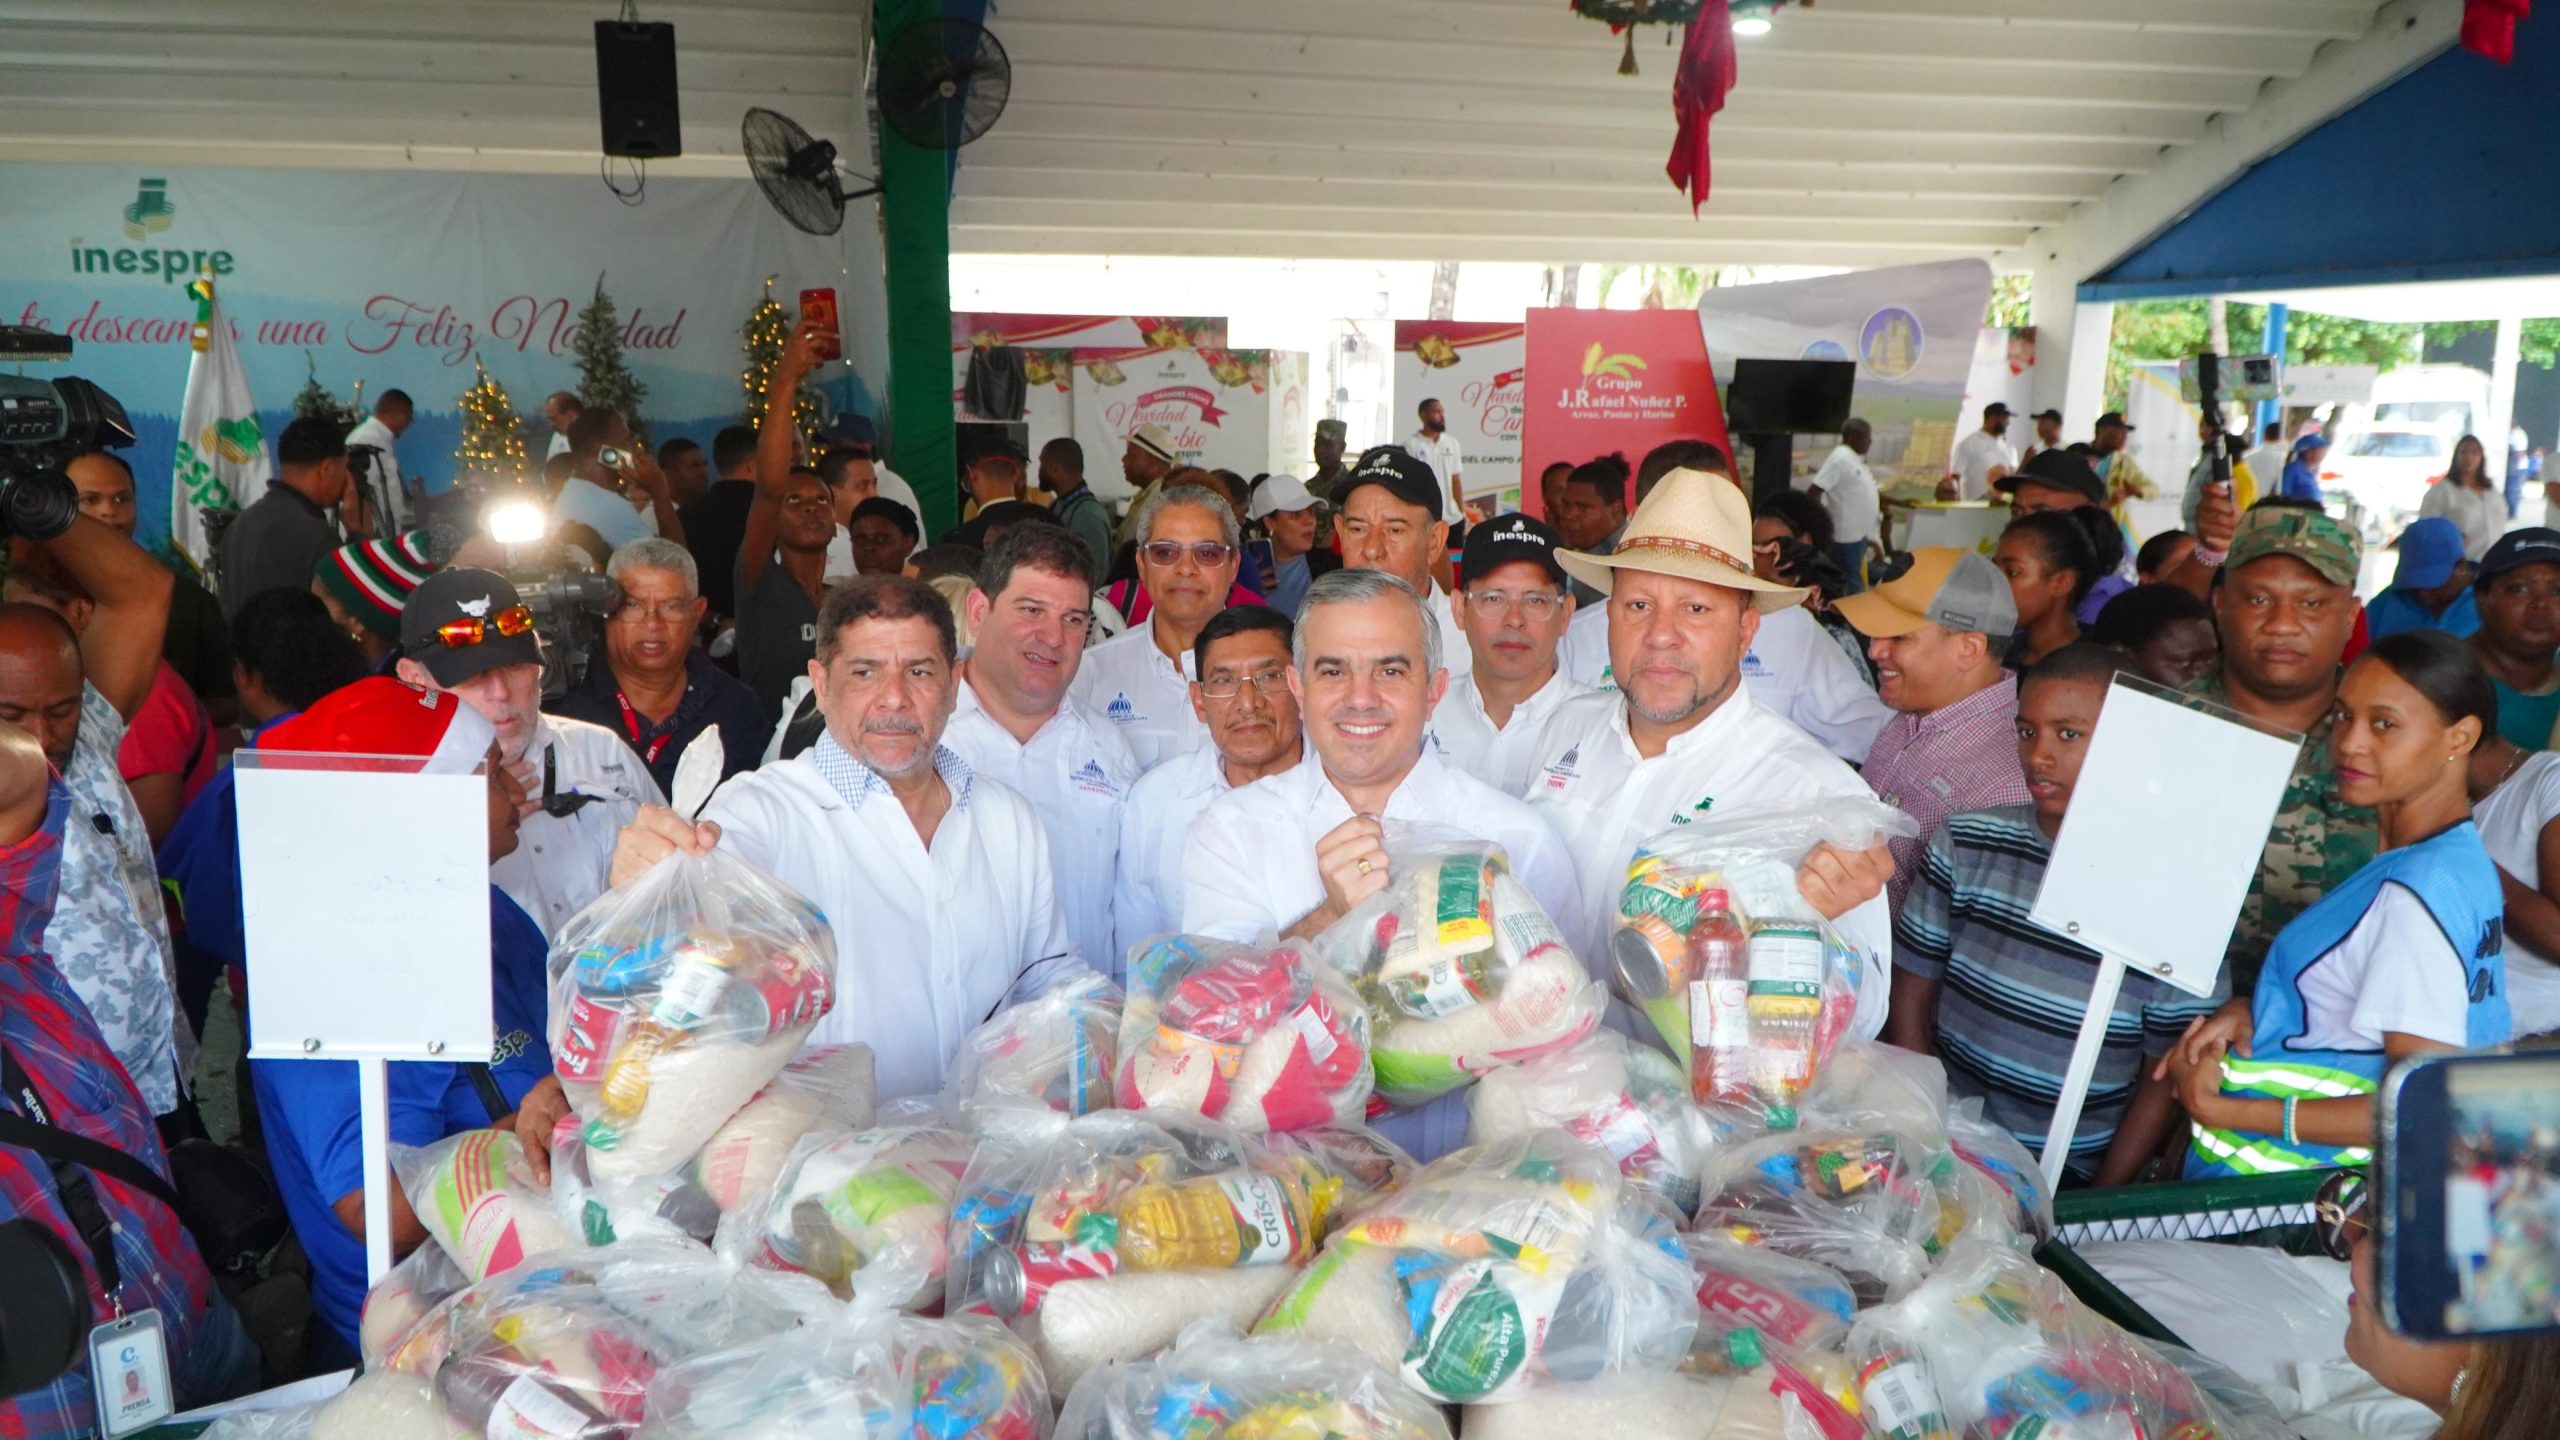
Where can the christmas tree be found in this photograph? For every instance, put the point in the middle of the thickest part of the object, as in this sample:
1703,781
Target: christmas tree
602,377
767,329
492,436
315,400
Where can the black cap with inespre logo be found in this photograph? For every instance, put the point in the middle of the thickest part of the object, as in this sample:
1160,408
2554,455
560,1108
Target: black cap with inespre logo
1399,472
1507,538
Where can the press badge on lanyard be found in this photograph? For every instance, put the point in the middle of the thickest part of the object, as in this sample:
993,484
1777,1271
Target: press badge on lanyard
129,1370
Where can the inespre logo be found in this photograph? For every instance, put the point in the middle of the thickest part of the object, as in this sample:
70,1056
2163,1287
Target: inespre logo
151,213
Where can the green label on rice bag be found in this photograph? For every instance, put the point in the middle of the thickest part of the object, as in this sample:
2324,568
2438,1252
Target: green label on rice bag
867,1197
1411,1074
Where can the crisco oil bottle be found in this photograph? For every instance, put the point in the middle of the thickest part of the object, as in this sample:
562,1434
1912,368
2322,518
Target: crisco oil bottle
1718,963
1786,1011
1248,1218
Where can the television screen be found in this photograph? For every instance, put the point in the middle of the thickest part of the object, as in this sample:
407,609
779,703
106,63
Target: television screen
1789,397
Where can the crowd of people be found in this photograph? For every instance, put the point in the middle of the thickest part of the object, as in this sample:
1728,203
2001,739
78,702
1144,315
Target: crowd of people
1057,732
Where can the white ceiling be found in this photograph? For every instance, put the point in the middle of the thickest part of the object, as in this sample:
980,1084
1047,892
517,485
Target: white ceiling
1863,131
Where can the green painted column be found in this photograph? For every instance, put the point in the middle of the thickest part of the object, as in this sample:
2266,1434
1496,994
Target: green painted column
915,234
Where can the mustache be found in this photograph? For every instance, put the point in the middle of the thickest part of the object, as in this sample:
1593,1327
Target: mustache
893,725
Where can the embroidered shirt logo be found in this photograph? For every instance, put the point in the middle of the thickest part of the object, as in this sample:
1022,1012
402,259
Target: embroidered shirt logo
1120,710
1092,778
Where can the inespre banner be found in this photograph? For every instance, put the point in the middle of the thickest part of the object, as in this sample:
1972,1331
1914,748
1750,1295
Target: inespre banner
1240,410
1616,381
1476,370
407,279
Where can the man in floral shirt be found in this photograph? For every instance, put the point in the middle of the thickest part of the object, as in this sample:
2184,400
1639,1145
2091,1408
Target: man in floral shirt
109,935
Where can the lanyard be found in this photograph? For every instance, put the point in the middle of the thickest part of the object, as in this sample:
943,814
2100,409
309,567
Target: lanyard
71,1184
649,749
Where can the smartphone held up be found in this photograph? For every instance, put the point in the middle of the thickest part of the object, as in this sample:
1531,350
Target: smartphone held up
818,310
2468,1200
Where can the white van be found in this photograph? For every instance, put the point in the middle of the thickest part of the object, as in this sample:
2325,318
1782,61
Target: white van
2385,452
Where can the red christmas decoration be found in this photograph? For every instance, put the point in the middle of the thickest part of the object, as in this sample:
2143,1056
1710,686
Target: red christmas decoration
1707,72
2489,27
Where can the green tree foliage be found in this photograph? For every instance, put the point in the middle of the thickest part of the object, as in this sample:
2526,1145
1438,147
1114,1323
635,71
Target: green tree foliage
2540,342
2175,329
2010,299
603,379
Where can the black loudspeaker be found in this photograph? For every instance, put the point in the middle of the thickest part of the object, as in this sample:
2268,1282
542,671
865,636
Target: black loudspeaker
636,89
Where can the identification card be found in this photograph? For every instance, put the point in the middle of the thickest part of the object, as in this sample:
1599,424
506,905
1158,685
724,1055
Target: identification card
129,1370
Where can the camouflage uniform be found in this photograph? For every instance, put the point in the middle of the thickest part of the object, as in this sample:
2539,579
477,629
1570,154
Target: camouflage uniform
2318,839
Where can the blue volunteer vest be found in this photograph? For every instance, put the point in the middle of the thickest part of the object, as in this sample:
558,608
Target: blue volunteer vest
2452,875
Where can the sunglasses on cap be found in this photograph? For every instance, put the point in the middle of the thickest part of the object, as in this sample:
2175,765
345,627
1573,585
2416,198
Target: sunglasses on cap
2338,1213
471,629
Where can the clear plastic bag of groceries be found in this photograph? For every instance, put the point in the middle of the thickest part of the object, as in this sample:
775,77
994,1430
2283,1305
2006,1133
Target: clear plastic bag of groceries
863,1212
1102,1242
1460,969
1053,1052
1262,1037
676,999
476,1195
859,1374
1504,1269
1993,1344
1215,1385
1625,1097
1873,1204
2004,1188
1750,989
404,1299
832,1088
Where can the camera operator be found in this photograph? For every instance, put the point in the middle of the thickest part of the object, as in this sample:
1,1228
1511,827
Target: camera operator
379,433
62,1076
609,463
198,644
469,632
281,537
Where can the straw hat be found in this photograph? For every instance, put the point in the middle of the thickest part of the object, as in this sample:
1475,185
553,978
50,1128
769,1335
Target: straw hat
1694,526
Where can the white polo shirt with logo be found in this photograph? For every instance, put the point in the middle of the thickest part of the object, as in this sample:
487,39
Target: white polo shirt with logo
1794,666
1605,800
1145,695
1502,756
1075,771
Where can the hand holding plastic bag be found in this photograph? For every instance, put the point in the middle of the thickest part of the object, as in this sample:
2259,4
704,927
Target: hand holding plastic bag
1214,1385
1746,983
477,1197
1262,1037
1461,971
678,997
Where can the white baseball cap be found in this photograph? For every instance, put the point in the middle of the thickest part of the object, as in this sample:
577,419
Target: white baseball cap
1278,493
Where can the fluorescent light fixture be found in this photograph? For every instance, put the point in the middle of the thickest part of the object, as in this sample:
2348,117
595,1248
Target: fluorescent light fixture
1751,17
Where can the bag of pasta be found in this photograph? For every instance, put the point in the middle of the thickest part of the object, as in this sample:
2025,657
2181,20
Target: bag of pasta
1261,1037
1461,972
1215,1385
678,997
1749,988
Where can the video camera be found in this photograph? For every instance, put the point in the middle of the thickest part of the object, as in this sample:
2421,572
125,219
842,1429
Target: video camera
42,424
556,580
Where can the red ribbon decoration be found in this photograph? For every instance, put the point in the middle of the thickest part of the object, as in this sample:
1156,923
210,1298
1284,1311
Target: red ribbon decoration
2489,27
1197,395
1707,72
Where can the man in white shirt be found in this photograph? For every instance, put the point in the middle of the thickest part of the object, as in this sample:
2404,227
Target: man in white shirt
1015,722
1682,736
581,783
1847,490
1388,517
2048,425
1981,457
1432,446
560,411
936,880
852,477
1243,698
380,432
593,495
2266,465
1141,681
1292,854
1514,607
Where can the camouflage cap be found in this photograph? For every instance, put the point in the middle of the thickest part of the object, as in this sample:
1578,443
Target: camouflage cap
2314,537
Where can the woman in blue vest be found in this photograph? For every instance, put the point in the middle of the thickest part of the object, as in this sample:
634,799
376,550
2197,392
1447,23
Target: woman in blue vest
2403,958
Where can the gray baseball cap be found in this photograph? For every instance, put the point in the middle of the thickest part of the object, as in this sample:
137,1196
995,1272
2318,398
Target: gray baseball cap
1945,586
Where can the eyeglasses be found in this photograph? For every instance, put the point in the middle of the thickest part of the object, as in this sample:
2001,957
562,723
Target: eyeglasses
1228,687
2338,1213
670,612
1207,554
471,629
1534,604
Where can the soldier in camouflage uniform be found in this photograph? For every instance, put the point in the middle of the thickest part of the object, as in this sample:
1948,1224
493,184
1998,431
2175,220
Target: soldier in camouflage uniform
2285,608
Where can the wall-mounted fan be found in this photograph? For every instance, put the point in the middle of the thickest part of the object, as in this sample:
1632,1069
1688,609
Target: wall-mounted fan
797,172
943,82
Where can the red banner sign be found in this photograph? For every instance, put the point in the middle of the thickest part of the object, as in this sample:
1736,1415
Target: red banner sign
1623,381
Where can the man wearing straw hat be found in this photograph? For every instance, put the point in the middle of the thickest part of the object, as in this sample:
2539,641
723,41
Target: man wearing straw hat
1680,738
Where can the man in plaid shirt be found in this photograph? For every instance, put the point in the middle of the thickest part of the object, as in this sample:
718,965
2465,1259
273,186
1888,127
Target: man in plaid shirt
80,1087
1937,633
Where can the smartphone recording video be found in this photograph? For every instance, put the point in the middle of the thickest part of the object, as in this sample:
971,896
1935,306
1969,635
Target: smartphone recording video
2470,1234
